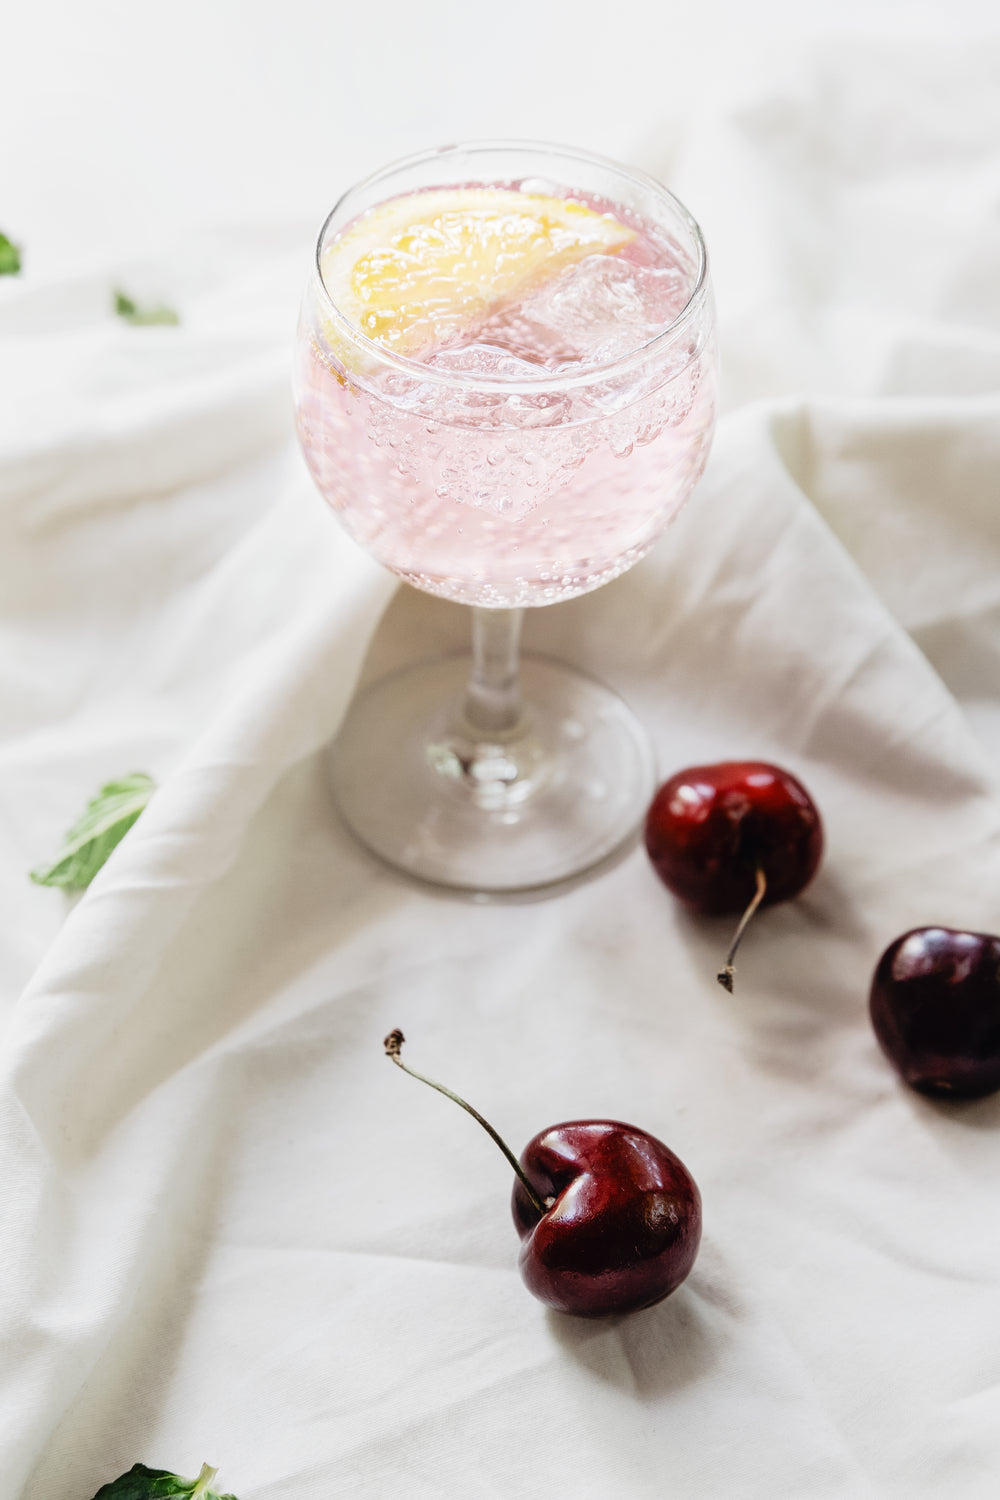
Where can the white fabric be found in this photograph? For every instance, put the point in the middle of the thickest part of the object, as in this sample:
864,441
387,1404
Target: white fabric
230,1231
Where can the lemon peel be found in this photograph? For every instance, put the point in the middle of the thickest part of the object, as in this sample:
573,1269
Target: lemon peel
414,272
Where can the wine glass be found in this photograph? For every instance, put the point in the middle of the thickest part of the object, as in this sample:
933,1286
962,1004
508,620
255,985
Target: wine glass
505,389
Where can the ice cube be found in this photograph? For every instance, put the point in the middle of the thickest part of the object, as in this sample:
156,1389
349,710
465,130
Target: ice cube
603,307
543,345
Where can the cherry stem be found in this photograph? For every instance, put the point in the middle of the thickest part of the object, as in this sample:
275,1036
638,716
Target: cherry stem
393,1047
727,973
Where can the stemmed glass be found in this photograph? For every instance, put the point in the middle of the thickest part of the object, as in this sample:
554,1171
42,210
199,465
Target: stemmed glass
529,451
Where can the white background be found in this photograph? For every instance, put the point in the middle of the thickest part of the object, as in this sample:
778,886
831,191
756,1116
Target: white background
125,123
228,1230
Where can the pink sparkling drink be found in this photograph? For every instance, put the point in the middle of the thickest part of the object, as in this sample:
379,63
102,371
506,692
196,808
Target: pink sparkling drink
539,449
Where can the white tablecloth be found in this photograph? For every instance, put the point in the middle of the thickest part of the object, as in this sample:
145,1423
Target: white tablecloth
229,1231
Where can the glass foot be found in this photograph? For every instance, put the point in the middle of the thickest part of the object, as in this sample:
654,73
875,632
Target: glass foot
528,807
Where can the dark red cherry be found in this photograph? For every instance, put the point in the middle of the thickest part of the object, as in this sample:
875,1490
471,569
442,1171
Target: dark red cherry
609,1217
935,1007
622,1219
710,828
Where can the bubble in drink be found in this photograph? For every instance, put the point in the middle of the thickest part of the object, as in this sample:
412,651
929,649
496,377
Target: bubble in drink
532,396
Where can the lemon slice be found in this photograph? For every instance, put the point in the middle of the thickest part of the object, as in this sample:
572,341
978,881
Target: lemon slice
413,272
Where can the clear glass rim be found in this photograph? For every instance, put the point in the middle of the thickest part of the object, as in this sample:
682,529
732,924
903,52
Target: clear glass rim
488,384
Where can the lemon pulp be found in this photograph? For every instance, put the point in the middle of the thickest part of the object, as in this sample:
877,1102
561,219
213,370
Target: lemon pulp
415,272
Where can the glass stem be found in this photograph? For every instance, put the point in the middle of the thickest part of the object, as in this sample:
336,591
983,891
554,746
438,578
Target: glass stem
492,706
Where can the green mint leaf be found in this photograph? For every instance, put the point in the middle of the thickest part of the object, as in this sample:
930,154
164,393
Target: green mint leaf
141,1483
144,317
99,829
10,257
